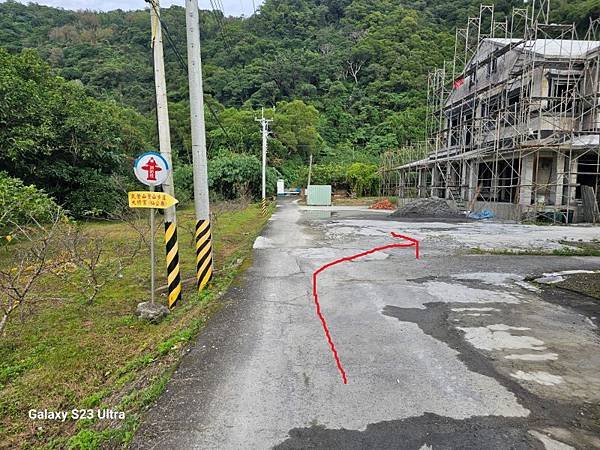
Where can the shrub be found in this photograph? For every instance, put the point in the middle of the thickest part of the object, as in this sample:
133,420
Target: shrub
20,203
183,178
293,172
332,173
363,179
95,195
232,175
360,178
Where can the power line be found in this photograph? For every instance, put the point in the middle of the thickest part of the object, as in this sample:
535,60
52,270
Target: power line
220,21
220,6
184,66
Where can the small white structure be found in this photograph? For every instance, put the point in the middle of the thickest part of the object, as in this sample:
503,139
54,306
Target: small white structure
280,187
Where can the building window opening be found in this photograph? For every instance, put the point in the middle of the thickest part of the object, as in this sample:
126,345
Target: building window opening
454,128
588,173
485,181
560,93
468,130
508,179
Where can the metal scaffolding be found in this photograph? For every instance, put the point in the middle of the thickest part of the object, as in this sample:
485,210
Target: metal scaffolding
513,121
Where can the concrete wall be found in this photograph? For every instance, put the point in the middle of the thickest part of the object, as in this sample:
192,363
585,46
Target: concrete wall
502,211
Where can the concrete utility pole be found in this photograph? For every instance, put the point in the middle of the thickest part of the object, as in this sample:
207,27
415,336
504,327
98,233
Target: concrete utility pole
265,134
164,137
162,107
204,260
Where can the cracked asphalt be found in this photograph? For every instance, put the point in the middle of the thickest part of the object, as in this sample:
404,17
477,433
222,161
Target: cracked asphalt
454,350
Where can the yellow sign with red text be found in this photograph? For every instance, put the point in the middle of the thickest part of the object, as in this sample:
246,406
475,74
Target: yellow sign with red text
145,199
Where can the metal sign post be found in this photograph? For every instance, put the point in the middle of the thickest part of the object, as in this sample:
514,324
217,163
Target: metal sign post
152,170
152,259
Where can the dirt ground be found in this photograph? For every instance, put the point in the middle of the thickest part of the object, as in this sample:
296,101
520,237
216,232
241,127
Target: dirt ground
586,284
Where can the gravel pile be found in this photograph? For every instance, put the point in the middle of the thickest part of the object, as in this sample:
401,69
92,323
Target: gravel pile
427,207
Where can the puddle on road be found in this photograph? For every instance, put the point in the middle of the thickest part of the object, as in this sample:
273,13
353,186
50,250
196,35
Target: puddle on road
317,214
459,293
544,411
488,281
475,309
422,432
492,278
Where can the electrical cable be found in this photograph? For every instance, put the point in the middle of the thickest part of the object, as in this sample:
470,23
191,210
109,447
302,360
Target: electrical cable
184,66
219,19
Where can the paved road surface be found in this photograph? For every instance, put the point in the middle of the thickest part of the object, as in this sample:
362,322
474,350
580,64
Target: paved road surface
454,350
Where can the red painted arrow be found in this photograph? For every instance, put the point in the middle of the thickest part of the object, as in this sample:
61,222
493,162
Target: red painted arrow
413,243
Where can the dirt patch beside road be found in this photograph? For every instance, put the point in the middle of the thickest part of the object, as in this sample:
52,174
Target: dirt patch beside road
583,283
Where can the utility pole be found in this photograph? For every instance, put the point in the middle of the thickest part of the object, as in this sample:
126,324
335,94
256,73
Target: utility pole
203,239
265,134
164,137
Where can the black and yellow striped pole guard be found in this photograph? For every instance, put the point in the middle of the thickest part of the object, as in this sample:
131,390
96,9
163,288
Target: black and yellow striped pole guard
204,256
173,271
264,205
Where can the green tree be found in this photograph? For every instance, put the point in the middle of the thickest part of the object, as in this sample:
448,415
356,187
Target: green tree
55,136
295,126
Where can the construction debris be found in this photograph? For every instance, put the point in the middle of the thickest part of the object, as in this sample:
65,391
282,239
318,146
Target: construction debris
590,204
383,204
427,207
481,215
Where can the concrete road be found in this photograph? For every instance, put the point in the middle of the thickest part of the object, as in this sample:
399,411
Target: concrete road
451,351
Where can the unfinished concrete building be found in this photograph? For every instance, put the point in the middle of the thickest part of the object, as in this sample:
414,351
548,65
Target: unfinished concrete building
514,124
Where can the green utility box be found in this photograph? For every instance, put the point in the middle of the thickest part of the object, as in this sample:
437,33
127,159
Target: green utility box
318,196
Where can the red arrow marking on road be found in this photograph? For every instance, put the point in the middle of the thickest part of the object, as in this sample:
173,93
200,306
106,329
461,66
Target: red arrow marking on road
413,243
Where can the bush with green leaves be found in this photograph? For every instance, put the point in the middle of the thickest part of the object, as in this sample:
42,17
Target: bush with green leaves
232,175
330,173
20,204
293,173
183,179
359,178
363,179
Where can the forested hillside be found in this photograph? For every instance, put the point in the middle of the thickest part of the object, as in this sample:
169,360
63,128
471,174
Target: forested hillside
348,78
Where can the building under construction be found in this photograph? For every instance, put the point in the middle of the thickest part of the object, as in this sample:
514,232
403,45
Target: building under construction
513,122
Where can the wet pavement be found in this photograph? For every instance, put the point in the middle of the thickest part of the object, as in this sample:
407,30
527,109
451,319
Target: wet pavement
454,350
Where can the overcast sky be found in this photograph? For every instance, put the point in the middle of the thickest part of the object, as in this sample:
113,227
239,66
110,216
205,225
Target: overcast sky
231,7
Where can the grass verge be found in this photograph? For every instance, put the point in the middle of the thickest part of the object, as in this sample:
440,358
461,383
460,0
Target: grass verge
67,354
582,283
569,248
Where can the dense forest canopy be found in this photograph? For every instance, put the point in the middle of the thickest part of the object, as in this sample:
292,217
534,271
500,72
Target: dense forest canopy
347,79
